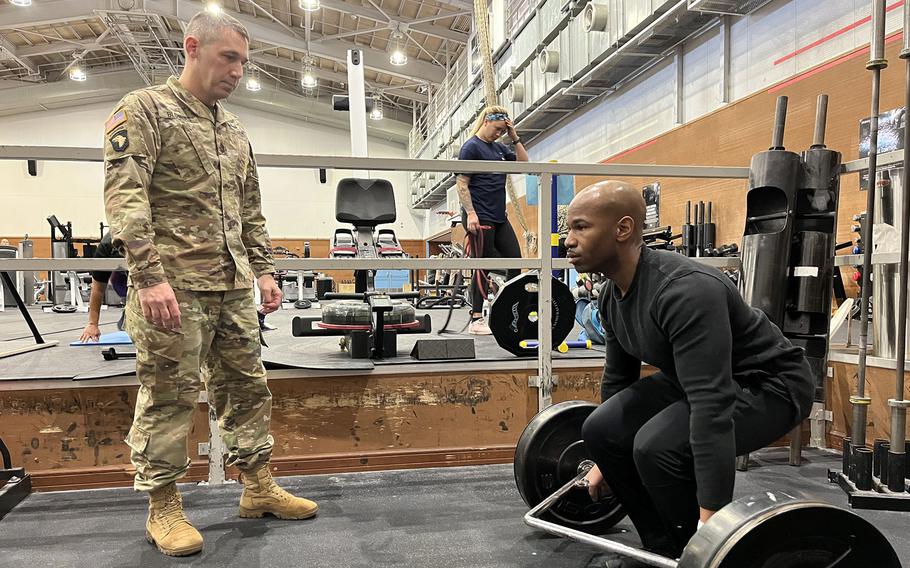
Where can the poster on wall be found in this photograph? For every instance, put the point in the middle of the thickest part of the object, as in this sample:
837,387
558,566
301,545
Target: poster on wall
651,193
890,137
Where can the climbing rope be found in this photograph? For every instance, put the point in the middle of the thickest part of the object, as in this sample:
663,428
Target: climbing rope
482,25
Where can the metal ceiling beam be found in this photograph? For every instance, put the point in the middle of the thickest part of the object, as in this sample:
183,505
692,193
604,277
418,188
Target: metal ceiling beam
7,46
49,13
328,74
112,85
63,45
464,4
109,86
312,110
277,35
440,16
423,49
109,44
58,11
377,16
67,46
356,32
377,60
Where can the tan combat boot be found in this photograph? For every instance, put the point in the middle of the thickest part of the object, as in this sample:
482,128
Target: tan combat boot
167,527
262,495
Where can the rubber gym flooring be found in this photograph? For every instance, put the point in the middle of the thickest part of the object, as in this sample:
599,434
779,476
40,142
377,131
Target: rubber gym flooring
456,517
283,351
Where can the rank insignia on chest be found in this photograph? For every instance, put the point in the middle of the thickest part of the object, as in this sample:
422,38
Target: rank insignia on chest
120,140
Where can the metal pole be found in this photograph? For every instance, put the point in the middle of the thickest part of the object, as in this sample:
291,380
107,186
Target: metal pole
821,118
531,519
780,120
21,305
357,111
899,403
877,62
547,381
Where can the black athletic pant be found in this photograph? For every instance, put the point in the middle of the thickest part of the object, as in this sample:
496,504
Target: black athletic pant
639,439
499,241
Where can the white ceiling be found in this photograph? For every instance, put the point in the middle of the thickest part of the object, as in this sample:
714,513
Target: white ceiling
124,44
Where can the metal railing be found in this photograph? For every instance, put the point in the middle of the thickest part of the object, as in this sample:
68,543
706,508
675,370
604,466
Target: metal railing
542,262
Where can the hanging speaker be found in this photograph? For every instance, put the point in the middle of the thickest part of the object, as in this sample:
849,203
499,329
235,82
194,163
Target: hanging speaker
324,175
548,61
596,17
32,168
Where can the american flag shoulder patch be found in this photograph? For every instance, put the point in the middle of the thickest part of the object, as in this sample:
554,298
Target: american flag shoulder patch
114,121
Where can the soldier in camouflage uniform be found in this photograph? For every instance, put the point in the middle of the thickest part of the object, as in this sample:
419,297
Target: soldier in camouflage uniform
182,197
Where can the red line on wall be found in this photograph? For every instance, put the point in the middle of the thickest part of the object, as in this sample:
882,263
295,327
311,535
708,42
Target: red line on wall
629,151
894,36
834,34
816,70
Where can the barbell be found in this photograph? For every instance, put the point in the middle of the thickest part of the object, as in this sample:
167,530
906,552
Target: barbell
768,530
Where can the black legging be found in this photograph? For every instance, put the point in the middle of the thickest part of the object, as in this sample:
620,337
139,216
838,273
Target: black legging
499,241
639,439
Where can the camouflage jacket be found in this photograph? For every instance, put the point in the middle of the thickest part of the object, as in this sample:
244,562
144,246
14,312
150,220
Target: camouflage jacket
181,192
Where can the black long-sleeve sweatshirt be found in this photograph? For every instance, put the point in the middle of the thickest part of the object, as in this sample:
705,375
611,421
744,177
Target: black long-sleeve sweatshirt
690,321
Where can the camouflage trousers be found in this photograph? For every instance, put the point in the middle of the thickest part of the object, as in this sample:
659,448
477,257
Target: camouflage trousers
220,334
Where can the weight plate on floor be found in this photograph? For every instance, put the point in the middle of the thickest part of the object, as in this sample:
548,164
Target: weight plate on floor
547,457
776,530
355,312
513,313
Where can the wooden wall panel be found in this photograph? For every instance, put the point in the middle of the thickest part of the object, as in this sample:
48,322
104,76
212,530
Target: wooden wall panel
577,384
730,136
75,427
352,414
73,437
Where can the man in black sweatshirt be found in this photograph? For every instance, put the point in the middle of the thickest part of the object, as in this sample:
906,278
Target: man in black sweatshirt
729,382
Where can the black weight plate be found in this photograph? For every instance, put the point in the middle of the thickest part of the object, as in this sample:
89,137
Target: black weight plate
513,313
547,457
774,530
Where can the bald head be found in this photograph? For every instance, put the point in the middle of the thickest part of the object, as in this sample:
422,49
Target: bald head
612,200
605,224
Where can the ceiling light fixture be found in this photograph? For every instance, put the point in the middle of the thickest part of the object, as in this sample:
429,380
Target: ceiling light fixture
77,74
376,113
252,82
398,55
213,8
308,79
21,2
308,5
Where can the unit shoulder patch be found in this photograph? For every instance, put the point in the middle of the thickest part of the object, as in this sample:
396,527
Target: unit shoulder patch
120,140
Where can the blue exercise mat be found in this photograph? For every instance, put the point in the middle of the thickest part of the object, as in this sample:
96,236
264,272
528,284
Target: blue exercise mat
116,338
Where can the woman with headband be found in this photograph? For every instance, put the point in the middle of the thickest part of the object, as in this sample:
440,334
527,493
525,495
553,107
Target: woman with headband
483,202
